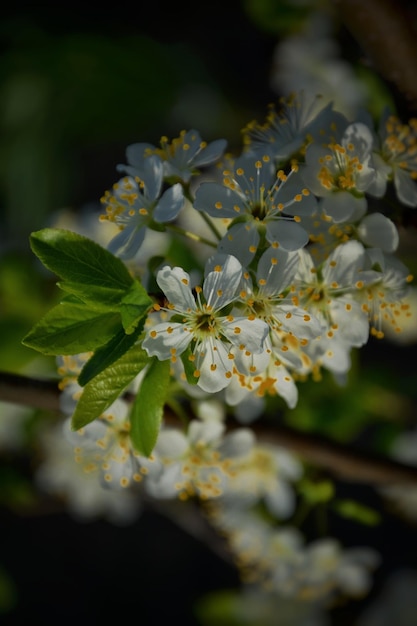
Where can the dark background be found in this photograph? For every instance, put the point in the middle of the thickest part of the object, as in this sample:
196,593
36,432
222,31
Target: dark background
77,85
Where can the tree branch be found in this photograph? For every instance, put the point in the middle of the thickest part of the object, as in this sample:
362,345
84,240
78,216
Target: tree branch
34,392
347,463
385,32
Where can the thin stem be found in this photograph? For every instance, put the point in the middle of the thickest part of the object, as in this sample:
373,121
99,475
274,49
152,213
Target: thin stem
211,225
190,235
178,410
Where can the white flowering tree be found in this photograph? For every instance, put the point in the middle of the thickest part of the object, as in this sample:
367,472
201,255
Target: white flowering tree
220,287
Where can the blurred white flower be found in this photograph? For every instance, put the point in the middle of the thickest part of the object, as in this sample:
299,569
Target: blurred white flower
197,462
311,61
265,475
406,318
13,418
279,559
83,495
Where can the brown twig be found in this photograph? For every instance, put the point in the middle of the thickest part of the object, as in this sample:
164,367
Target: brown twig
343,461
346,462
27,391
387,35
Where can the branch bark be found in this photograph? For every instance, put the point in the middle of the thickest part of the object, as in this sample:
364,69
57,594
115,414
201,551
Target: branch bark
34,392
386,33
345,462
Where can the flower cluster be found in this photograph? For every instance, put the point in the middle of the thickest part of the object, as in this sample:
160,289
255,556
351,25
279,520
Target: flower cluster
304,268
278,559
98,473
302,271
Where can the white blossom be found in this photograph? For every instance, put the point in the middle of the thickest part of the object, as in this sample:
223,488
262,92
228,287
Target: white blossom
205,324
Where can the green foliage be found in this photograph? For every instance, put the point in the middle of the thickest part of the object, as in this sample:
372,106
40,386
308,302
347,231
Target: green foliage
23,301
134,306
105,310
71,328
146,414
106,355
107,386
82,263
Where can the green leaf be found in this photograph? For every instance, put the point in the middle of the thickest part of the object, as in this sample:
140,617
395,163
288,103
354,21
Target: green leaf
134,306
79,260
107,386
70,328
102,299
106,301
357,511
147,410
106,355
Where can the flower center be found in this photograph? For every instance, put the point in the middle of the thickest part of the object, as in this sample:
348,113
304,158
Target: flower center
341,169
204,323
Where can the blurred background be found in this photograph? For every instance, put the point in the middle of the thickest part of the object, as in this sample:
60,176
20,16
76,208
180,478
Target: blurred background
77,85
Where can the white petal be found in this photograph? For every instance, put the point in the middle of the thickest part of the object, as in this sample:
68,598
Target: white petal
249,363
176,285
208,432
280,501
165,337
153,170
285,385
135,154
341,205
170,204
241,240
215,368
310,171
353,323
300,323
289,465
238,443
128,241
382,173
165,485
361,137
336,356
218,201
277,267
220,285
211,153
249,409
379,231
290,235
250,333
171,443
405,187
344,264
